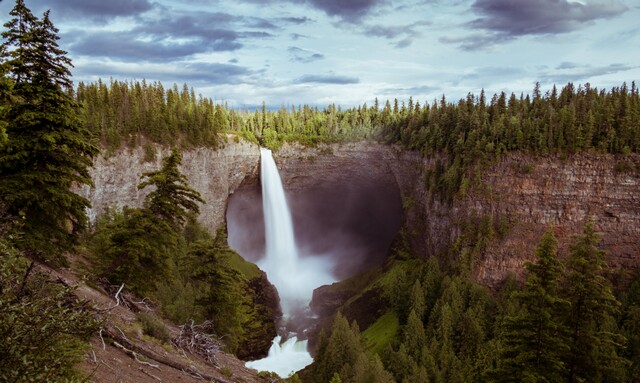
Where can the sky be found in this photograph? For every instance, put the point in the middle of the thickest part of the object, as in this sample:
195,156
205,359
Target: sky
348,52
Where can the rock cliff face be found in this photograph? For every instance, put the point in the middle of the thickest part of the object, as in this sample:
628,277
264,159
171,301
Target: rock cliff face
214,173
529,194
526,193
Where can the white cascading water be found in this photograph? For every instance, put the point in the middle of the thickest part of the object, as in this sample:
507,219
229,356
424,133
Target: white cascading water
294,277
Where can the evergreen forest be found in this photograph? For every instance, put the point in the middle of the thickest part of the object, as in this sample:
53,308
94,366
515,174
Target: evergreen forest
567,321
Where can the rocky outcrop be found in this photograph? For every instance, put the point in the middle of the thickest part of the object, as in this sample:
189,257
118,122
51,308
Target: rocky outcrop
215,173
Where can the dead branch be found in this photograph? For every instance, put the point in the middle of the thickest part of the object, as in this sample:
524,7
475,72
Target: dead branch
194,338
150,374
134,355
104,347
117,294
160,359
116,297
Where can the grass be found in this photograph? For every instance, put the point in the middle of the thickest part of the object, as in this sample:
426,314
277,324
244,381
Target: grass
248,269
381,332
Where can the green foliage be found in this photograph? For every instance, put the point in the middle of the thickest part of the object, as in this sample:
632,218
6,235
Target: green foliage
133,247
594,340
172,199
153,327
222,289
534,339
339,352
48,150
44,329
630,328
381,333
121,110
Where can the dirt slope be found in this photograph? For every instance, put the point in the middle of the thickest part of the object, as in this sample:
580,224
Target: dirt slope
121,353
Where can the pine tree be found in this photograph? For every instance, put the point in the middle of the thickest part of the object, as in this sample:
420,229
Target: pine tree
339,352
134,248
594,340
223,288
173,199
533,340
48,151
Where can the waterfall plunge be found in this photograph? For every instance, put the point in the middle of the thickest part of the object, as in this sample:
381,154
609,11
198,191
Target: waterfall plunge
295,277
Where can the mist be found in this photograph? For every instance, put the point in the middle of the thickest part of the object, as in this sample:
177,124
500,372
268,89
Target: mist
345,227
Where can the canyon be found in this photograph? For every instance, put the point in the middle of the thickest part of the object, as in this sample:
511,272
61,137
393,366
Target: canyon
524,194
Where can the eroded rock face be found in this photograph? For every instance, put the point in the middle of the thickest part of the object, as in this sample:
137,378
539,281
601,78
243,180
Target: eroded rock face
214,173
528,193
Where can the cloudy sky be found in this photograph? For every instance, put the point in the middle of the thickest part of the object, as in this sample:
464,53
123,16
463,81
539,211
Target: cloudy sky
348,52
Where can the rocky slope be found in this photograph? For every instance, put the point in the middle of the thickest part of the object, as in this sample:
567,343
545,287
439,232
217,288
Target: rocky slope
526,193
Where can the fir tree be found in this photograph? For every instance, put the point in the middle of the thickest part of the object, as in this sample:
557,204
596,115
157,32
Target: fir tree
172,199
594,340
48,150
533,340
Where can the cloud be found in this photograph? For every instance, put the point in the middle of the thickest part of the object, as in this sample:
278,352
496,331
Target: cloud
326,79
501,21
488,72
419,90
476,41
350,11
194,73
295,20
406,33
297,36
99,10
303,55
129,46
173,36
535,17
573,72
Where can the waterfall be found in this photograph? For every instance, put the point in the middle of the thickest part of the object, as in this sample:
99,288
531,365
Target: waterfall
294,276
281,257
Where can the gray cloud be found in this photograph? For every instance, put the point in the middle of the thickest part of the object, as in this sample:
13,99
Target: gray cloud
303,55
175,36
295,20
420,90
350,11
573,72
297,36
535,17
326,79
194,73
406,33
504,20
128,46
477,41
99,10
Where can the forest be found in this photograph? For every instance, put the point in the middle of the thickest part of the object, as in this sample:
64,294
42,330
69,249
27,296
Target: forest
566,322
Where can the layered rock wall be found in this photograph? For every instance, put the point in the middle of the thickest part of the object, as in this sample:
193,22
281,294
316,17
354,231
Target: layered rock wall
528,193
214,173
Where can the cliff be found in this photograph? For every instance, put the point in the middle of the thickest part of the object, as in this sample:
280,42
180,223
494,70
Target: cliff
216,174
525,194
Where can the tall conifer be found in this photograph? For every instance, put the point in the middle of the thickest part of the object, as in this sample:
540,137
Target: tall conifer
48,151
533,340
